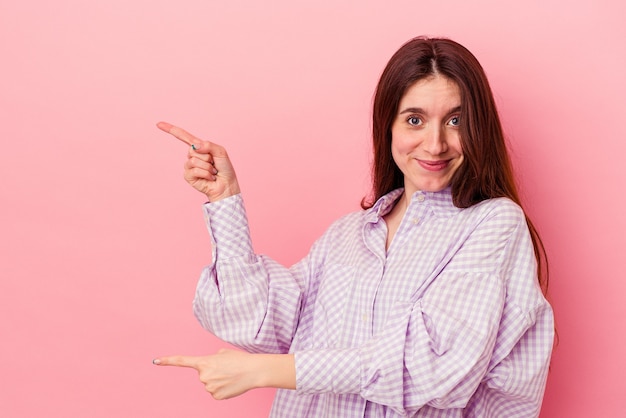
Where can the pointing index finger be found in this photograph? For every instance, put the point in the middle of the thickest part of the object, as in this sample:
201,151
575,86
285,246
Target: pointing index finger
177,361
177,132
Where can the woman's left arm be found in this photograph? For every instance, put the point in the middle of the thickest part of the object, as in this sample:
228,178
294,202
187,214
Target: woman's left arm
424,347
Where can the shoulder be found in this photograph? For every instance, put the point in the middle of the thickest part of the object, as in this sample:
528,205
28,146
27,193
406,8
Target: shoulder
341,235
499,206
490,227
500,212
349,222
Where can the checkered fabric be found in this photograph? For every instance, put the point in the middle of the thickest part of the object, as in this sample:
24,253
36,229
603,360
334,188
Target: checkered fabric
448,322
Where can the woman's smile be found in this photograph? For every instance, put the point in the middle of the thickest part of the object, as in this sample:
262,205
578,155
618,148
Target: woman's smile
433,165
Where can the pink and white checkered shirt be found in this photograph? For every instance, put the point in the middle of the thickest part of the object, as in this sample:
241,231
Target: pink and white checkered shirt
449,322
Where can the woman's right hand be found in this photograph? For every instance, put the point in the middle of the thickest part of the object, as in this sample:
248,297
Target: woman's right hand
208,168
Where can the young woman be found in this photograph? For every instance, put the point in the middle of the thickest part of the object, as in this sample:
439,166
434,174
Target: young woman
426,303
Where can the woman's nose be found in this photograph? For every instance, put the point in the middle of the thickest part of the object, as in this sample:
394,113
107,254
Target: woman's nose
435,141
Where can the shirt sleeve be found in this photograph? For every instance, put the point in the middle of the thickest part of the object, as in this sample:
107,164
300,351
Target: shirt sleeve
243,298
436,351
518,369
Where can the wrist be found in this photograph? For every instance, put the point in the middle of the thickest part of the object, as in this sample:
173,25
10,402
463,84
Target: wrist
226,193
276,371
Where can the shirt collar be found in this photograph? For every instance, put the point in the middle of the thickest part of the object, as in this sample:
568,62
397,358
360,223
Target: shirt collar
440,203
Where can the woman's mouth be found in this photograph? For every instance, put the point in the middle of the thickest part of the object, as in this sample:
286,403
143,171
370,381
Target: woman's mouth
433,165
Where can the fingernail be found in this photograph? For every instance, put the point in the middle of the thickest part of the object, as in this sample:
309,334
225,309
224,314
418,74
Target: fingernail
156,361
193,147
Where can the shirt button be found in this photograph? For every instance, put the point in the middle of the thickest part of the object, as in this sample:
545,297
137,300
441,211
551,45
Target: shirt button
421,198
364,317
416,221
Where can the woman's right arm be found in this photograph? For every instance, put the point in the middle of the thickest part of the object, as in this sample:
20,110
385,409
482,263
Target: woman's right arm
246,299
243,298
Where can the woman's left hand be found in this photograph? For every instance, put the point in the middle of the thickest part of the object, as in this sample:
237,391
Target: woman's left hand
230,373
225,374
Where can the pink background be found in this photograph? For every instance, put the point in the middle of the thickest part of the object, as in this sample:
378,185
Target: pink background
102,241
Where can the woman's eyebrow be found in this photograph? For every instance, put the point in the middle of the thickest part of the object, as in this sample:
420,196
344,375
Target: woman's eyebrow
420,110
412,110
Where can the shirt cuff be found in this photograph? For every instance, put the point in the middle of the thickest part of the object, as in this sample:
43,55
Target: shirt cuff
227,223
331,370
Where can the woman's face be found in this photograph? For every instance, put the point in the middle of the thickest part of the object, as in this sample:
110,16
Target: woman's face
425,141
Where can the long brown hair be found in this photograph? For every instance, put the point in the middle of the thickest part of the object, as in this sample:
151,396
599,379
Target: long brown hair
486,171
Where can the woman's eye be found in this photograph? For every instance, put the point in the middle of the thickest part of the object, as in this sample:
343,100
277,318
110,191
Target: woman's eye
414,120
455,121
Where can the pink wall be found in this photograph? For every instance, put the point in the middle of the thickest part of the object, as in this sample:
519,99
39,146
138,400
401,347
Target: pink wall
102,241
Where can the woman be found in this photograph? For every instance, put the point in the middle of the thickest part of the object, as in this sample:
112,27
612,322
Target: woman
427,303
